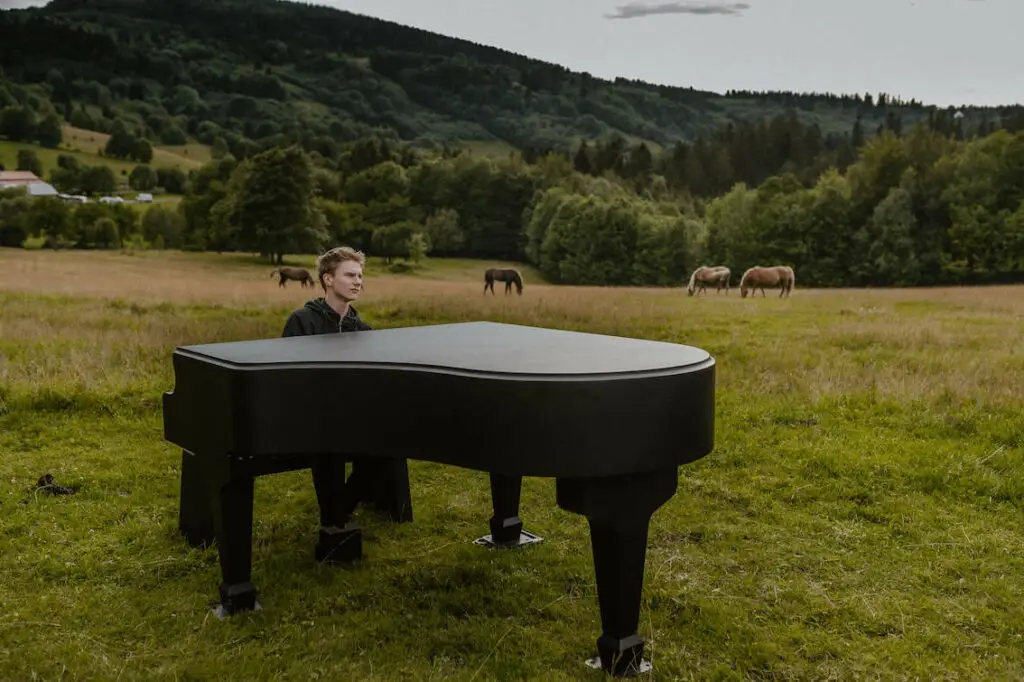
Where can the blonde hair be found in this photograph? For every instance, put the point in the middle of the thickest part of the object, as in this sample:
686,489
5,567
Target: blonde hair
328,262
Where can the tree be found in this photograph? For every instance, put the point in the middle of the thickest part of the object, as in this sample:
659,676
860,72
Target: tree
173,180
270,199
392,241
162,226
105,234
142,178
891,252
419,245
49,133
442,227
50,219
17,123
581,162
28,161
98,180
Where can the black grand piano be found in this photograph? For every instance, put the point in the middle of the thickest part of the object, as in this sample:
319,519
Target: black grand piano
610,418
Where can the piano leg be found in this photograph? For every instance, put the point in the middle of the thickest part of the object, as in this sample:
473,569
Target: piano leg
231,509
619,510
388,485
340,539
194,519
506,527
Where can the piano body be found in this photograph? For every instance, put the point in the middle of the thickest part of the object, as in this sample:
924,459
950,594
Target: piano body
610,418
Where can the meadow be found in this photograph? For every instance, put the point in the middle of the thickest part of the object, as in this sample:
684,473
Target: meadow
87,145
859,517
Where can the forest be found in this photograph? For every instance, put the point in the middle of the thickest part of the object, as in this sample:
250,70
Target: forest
328,127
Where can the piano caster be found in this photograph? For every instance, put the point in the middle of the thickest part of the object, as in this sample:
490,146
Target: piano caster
340,545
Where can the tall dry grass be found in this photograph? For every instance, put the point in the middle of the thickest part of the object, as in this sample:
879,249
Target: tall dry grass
117,317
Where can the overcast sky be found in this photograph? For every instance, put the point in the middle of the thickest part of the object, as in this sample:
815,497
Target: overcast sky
944,52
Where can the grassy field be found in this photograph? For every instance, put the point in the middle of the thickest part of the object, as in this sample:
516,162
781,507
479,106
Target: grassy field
859,518
85,145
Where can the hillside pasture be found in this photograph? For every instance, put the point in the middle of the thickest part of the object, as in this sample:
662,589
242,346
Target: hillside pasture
859,517
186,157
86,145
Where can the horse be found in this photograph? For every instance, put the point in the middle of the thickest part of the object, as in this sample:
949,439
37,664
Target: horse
704,275
299,274
508,276
781,276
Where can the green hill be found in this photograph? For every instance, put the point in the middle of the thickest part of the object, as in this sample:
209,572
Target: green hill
249,74
86,145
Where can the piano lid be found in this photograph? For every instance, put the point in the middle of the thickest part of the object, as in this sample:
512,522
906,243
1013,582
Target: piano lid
477,347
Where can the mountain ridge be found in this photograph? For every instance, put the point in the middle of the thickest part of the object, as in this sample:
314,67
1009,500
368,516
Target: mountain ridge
253,70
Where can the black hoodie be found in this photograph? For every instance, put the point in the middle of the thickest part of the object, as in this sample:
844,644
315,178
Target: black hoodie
317,317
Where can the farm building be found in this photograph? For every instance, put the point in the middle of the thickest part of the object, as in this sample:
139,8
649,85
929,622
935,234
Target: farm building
29,180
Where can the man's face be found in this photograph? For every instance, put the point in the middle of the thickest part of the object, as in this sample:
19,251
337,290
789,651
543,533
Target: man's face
347,281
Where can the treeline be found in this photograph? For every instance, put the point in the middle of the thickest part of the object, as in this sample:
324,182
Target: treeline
245,76
920,209
61,225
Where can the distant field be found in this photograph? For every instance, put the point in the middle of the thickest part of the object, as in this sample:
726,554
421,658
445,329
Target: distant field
497,149
185,157
858,519
89,143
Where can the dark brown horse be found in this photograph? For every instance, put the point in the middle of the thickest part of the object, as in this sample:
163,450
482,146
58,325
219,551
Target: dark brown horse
508,276
298,274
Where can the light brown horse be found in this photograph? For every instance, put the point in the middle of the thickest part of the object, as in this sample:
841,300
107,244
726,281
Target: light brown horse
704,275
759,277
300,275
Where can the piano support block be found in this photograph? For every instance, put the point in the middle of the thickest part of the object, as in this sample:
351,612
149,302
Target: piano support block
506,531
340,545
621,657
235,598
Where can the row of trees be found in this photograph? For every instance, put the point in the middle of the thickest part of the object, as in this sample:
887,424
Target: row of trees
85,226
921,209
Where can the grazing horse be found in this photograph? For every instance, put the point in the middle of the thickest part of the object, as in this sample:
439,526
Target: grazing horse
299,274
758,277
508,276
703,276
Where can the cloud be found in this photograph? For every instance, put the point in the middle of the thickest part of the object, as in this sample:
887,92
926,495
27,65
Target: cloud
639,9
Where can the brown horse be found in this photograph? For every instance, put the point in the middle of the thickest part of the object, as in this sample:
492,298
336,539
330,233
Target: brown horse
508,276
704,275
758,277
298,274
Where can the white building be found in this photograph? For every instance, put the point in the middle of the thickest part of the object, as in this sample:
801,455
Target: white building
29,180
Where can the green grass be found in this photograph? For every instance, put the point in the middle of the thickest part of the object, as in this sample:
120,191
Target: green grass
859,518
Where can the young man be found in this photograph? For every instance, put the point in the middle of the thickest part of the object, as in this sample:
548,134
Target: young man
341,275
381,482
